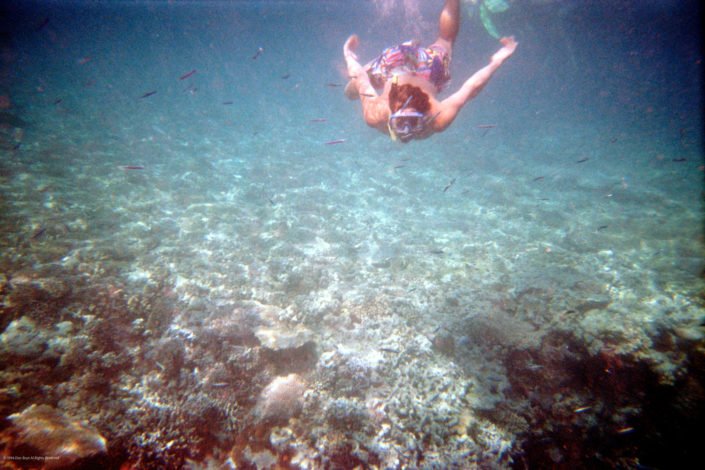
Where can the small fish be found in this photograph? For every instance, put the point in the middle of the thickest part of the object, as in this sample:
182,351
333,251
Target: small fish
187,75
38,233
58,100
228,102
368,95
602,227
285,76
260,51
450,183
486,128
132,167
336,141
149,93
333,85
582,409
583,160
396,167
538,178
84,60
680,160
317,120
625,430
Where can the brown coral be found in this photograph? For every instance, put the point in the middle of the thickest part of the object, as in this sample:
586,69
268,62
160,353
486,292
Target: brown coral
43,432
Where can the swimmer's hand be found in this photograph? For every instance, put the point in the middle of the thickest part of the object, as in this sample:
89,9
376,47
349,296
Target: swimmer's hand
350,46
355,70
359,84
509,46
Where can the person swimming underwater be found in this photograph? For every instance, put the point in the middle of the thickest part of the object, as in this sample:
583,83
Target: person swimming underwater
398,89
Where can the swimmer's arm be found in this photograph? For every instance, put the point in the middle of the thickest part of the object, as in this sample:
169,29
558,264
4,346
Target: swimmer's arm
376,112
374,108
450,107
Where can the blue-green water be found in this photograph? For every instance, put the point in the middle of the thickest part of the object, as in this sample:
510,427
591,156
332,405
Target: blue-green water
189,269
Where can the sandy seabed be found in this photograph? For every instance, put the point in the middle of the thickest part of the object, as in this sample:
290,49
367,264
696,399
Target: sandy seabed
261,301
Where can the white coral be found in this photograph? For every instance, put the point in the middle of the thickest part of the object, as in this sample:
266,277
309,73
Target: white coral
281,399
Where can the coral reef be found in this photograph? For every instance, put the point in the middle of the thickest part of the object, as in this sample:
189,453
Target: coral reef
47,436
185,284
281,400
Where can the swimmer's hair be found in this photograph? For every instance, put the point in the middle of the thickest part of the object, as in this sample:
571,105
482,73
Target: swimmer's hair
398,95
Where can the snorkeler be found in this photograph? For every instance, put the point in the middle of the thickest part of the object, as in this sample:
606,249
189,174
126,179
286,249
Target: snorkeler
409,77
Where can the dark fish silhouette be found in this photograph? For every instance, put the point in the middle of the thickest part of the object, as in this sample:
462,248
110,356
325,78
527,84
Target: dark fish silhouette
450,183
187,75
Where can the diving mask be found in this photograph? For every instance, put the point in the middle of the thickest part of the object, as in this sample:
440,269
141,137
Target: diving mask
405,124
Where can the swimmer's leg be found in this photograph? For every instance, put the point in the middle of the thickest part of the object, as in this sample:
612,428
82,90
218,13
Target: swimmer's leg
448,25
